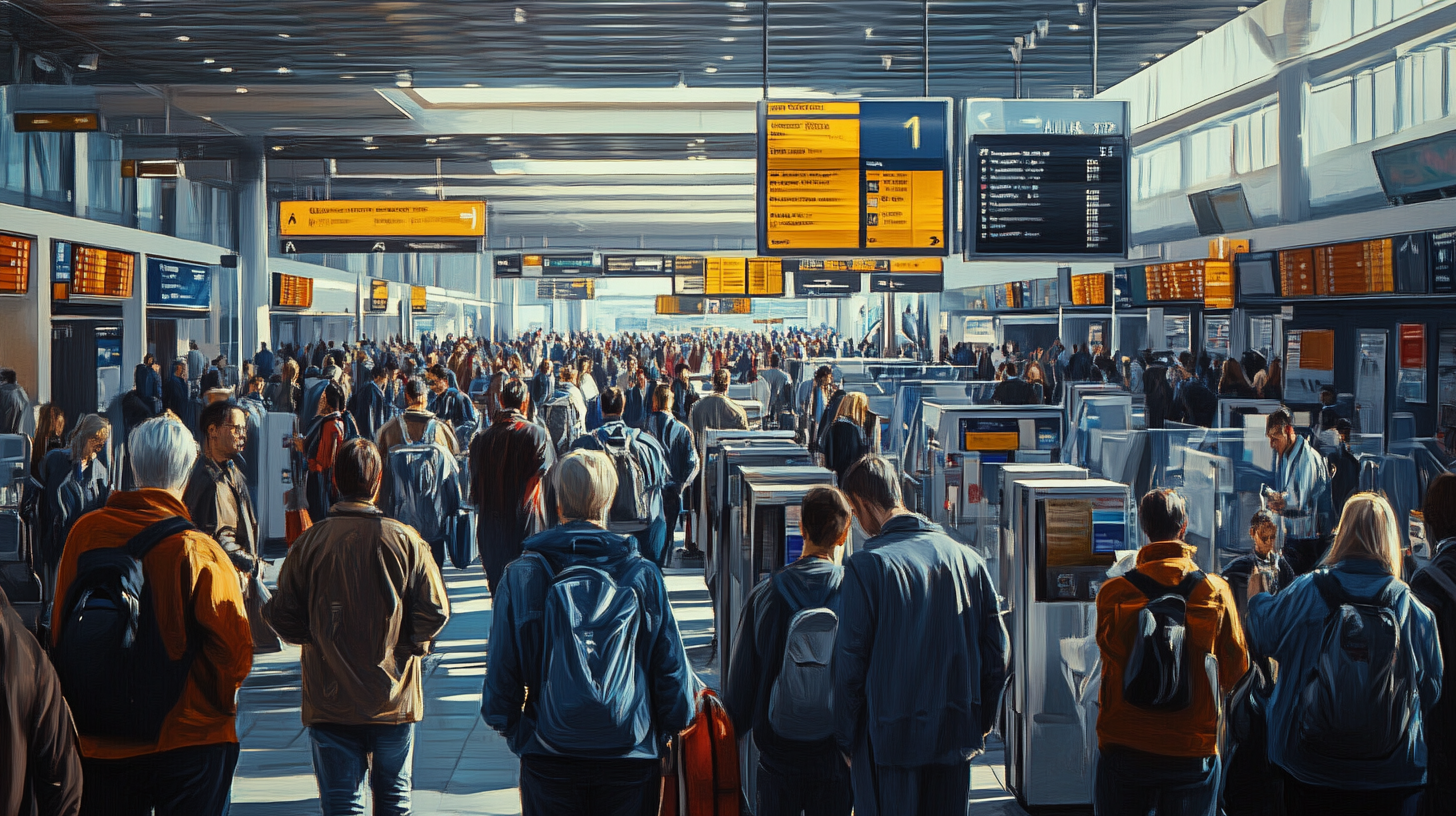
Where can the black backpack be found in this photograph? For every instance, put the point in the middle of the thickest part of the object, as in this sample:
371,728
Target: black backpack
1157,677
112,662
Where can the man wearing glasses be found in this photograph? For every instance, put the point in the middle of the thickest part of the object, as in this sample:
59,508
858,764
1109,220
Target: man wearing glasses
217,495
1301,494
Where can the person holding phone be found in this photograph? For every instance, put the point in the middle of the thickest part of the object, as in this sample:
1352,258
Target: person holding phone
1265,560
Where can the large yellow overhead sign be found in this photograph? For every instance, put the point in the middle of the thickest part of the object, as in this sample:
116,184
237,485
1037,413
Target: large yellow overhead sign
382,219
854,177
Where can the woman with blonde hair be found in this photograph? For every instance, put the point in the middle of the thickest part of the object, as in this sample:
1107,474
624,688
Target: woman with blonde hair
855,433
1359,671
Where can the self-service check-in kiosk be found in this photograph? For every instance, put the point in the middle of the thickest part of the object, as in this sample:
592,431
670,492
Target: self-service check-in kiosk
765,537
704,524
275,473
1005,563
975,441
1067,533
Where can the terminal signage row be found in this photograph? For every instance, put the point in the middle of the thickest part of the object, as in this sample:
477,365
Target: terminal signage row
14,264
369,246
91,271
864,177
566,289
678,305
178,284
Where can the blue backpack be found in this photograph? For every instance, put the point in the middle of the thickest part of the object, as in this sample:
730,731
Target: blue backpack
595,695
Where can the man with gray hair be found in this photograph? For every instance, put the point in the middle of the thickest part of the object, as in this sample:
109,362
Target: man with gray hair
189,767
583,622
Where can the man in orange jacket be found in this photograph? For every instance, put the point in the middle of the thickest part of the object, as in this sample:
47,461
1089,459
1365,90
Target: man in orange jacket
189,769
1164,760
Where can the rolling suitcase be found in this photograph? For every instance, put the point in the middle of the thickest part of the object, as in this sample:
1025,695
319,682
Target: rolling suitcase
17,577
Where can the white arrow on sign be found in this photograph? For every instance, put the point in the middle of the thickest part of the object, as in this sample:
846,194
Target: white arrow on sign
471,216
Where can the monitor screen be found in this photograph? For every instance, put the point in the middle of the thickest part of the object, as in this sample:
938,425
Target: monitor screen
793,536
1257,274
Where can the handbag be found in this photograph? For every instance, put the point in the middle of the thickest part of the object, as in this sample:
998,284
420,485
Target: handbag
255,597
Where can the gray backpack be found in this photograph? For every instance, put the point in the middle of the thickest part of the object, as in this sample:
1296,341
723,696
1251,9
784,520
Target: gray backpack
801,704
562,420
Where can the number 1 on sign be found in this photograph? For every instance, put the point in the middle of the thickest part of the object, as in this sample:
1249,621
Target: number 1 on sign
913,125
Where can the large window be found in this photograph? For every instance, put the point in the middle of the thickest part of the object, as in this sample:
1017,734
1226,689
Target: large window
104,199
1329,125
1160,170
1211,153
1256,140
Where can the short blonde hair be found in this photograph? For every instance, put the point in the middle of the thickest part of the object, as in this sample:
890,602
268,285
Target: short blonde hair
585,485
1367,530
90,427
854,406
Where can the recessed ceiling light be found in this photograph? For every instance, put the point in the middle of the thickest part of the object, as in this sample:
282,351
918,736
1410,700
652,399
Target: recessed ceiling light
371,147
1074,27
340,54
1203,33
184,38
738,20
145,14
225,70
1144,64
710,70
700,141
241,90
346,76
727,57
431,141
727,39
736,5
520,16
472,84
1243,9
115,4
276,148
284,69
1159,56
208,61
285,36
869,32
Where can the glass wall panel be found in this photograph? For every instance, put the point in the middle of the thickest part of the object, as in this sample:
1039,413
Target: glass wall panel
105,200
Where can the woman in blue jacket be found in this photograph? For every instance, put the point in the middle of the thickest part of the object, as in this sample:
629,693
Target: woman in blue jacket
1359,669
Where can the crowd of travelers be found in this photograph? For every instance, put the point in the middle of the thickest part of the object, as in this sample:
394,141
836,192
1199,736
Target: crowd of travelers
1305,679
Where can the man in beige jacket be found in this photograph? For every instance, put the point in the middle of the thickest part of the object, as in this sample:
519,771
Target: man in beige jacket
364,597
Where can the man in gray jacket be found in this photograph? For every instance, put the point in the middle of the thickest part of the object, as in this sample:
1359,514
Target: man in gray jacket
917,675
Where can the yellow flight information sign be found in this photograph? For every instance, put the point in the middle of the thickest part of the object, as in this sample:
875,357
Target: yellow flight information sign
854,177
382,219
765,277
725,276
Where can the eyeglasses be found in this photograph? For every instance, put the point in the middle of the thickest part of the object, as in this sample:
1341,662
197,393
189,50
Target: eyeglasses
235,428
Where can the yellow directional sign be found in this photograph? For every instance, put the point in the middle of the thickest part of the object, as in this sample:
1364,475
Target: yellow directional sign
381,219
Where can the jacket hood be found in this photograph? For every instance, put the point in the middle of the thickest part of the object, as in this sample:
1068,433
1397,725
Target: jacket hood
615,431
809,582
580,542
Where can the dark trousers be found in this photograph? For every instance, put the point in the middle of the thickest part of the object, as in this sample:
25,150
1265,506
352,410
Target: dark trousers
1312,800
1134,783
922,790
785,795
672,511
191,781
1304,554
552,786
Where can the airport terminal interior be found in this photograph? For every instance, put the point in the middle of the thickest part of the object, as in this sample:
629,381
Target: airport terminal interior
1069,252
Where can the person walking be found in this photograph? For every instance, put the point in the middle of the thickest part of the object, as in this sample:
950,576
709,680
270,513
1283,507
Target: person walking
263,361
508,462
910,734
800,769
1435,586
588,716
854,433
682,459
42,772
642,472
363,596
1360,670
217,497
14,404
1159,749
198,606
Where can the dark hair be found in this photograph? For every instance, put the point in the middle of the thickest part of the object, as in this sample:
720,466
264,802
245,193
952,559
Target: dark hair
439,372
721,378
1278,420
681,367
662,396
334,396
1163,514
873,480
357,470
1012,368
775,360
825,516
1261,517
7,375
379,373
512,394
214,414
414,389
613,401
1439,508
823,371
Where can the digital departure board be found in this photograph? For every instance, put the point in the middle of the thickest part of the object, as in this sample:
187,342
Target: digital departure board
1357,268
1218,285
95,272
765,277
1174,282
14,265
730,306
566,289
419,300
641,266
673,305
1443,261
854,177
1296,272
910,275
507,266
575,264
1060,195
1089,290
292,291
381,219
178,284
378,295
726,276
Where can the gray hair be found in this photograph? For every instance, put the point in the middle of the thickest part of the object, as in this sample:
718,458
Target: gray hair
585,485
162,453
89,427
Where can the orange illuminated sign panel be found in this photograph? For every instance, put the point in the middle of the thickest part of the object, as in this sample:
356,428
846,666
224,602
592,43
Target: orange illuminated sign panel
14,265
382,219
292,291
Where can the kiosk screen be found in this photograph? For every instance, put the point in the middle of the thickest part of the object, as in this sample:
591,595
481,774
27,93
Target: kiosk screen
793,536
1076,542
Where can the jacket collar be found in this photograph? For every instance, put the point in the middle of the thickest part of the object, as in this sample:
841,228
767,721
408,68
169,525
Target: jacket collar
150,500
902,524
1362,566
1165,551
355,508
508,416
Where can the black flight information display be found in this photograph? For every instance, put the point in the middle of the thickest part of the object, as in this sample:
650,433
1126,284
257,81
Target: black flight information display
1034,194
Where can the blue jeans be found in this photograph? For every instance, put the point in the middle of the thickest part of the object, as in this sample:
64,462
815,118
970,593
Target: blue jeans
342,759
566,786
1134,783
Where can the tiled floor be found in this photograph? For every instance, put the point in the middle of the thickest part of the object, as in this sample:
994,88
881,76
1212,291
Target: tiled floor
461,765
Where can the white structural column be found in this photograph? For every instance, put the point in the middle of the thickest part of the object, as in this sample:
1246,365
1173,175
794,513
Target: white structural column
254,282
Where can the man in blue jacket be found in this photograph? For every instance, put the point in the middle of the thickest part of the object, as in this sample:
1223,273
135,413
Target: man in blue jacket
651,533
371,408
682,460
263,361
917,674
794,774
1301,493
590,733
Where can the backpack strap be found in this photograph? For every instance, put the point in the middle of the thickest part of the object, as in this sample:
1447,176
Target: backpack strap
1154,589
154,534
1442,580
430,432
